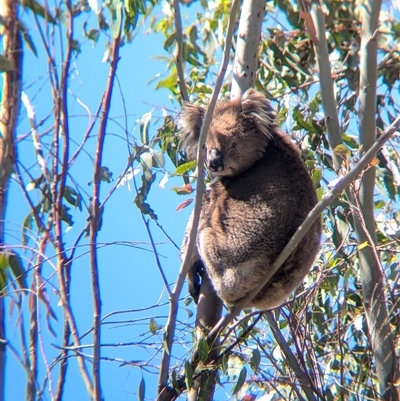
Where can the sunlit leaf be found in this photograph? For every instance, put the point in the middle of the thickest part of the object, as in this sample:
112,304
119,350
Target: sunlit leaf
203,350
26,228
185,167
153,326
3,271
342,150
362,245
188,374
18,271
185,190
38,9
116,19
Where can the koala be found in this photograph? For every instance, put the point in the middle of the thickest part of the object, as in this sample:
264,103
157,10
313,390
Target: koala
261,193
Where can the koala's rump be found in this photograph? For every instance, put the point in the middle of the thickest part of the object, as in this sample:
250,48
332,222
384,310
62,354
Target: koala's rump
246,222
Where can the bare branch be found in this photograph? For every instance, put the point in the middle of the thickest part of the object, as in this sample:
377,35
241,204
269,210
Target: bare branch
96,217
372,277
247,45
326,83
291,359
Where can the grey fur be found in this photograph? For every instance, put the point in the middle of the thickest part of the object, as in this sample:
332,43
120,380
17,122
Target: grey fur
262,194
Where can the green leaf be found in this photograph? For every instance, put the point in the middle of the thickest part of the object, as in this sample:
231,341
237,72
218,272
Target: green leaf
105,174
241,380
342,150
141,390
185,190
93,35
75,46
316,176
188,375
203,350
116,18
349,141
255,360
72,197
26,228
65,216
170,41
18,271
297,116
3,271
185,167
168,83
153,326
38,9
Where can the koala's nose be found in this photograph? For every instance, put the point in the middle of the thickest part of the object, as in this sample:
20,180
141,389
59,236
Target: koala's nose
214,160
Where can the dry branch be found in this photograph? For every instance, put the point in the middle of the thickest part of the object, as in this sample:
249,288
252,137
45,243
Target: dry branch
95,221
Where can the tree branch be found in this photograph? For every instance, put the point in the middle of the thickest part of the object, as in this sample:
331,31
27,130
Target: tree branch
247,47
178,54
304,380
96,217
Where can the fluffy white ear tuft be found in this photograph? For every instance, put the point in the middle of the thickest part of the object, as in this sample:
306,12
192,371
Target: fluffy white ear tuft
255,104
190,121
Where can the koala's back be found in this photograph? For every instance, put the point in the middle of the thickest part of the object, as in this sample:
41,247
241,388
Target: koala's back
248,219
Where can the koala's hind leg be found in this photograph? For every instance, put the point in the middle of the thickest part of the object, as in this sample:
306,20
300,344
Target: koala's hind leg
194,278
196,267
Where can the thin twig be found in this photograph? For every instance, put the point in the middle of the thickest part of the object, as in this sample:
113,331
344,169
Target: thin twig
291,359
160,269
178,54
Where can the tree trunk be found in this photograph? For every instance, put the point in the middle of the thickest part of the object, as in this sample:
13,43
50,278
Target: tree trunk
12,48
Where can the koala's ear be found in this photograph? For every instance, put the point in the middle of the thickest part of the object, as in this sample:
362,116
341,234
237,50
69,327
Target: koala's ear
255,104
190,121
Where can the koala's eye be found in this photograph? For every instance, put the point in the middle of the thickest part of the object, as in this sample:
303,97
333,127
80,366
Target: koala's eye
233,145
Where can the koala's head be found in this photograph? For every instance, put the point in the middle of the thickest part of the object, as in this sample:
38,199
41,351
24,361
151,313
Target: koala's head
238,134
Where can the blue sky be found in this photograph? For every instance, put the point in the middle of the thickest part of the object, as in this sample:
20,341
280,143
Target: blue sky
129,278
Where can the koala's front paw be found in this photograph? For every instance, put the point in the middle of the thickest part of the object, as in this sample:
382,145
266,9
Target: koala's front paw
194,276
